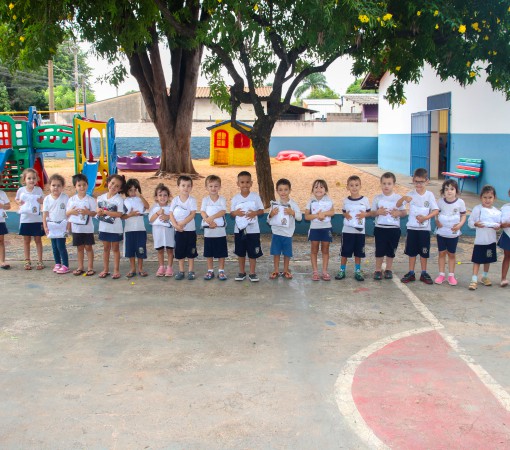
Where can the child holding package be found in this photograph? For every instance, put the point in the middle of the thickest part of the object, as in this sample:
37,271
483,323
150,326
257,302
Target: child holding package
110,209
182,215
245,209
5,204
387,225
486,219
319,211
213,210
451,218
135,234
162,230
504,242
422,207
282,218
30,198
356,208
80,210
55,222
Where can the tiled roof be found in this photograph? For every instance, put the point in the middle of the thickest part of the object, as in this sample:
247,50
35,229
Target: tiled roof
205,91
362,99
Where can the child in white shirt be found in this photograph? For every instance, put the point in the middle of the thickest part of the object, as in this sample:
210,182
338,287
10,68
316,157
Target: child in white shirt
5,204
504,242
163,233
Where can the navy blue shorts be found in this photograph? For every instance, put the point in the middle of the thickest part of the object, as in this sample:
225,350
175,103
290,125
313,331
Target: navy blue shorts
386,241
484,254
247,244
3,228
110,237
215,247
448,244
320,234
31,229
417,243
352,244
80,239
281,245
135,244
504,241
185,244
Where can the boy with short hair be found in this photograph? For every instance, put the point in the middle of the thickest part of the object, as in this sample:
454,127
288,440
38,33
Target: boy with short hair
387,225
422,207
282,218
356,208
245,209
213,210
182,216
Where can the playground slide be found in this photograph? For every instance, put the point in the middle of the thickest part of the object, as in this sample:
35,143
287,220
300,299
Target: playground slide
4,156
90,171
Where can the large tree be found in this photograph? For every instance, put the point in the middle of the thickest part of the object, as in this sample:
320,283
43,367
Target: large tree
119,29
286,41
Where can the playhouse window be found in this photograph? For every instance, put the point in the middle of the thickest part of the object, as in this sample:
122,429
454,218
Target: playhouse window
221,139
241,141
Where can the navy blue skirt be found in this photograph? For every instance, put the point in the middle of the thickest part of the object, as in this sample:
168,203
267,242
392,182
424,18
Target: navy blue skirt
31,229
3,228
110,237
504,241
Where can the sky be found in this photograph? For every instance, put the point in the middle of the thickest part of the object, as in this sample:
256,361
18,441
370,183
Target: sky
338,76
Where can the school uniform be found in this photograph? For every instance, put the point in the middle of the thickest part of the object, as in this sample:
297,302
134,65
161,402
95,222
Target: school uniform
110,228
56,222
353,231
135,234
163,233
450,214
82,227
215,239
247,231
320,230
30,222
387,228
504,239
418,234
3,215
484,250
186,240
283,227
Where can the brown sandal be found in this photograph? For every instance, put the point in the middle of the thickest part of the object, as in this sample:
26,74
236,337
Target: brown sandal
273,276
287,275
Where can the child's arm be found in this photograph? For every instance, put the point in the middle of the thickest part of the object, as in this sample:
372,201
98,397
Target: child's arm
45,221
7,205
188,219
253,214
433,213
404,198
457,227
309,215
474,218
145,202
157,214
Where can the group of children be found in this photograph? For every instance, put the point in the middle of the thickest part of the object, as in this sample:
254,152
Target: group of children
174,229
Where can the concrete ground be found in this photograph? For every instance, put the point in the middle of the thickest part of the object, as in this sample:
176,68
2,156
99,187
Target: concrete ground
159,363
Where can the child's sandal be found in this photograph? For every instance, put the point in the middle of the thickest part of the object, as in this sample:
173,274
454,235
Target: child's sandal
287,275
40,265
326,276
315,276
473,285
28,264
273,276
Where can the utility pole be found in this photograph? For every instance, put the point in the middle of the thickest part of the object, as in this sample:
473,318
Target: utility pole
51,96
76,84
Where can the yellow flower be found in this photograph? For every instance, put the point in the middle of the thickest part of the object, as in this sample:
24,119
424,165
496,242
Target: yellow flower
11,5
403,101
437,26
14,17
486,38
475,26
256,7
22,38
468,64
397,68
462,29
387,17
472,74
436,13
497,20
418,13
363,18
494,52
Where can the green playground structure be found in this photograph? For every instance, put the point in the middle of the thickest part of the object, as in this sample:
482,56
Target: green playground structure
25,139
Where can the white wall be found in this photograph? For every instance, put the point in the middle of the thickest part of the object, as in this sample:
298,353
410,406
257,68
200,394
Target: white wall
475,108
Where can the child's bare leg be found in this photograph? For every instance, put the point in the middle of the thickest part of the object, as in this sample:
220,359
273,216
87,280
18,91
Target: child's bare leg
80,250
191,264
451,263
505,265
253,265
161,257
90,257
116,257
412,263
325,256
476,269
140,265
181,264
286,263
242,264
106,256
486,267
210,263
378,264
221,263
441,260
39,247
343,261
170,257
132,264
314,250
26,247
389,263
423,263
276,263
2,249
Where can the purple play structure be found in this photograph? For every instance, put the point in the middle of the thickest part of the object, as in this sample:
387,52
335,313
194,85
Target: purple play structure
138,162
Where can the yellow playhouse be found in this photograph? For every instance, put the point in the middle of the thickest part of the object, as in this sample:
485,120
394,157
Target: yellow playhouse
229,147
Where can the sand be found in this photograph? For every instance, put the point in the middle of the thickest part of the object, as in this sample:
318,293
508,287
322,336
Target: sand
300,177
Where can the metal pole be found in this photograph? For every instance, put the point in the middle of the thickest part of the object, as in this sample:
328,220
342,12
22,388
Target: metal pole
51,95
76,84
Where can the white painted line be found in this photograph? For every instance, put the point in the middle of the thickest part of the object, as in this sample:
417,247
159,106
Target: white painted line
497,390
343,387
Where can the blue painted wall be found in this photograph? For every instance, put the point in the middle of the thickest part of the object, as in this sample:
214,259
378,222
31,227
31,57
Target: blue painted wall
395,152
352,150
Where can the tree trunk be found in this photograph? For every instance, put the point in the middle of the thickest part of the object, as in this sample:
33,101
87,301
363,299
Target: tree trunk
172,113
260,138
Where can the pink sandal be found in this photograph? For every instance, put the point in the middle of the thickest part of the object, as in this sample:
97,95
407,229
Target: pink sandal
326,276
315,276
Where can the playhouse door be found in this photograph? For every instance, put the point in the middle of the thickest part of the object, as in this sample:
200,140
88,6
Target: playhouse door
221,156
420,141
